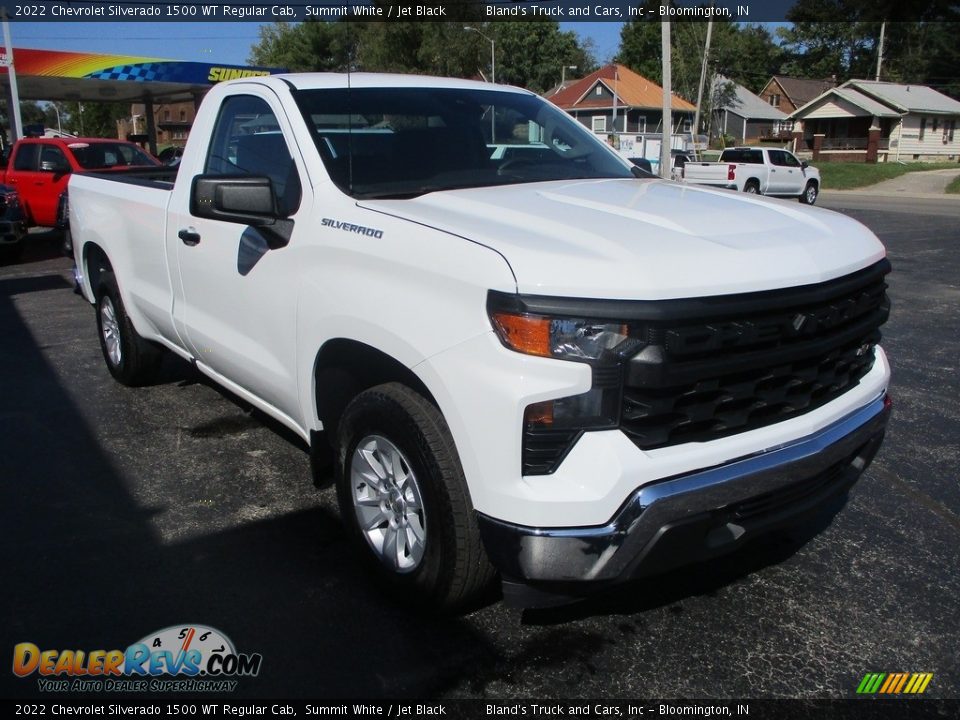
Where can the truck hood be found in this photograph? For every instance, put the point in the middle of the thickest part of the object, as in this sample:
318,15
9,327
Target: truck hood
645,239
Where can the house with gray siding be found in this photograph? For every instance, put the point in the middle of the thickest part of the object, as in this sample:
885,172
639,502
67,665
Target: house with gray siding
739,113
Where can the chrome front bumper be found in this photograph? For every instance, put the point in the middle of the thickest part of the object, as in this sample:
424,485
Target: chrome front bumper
693,517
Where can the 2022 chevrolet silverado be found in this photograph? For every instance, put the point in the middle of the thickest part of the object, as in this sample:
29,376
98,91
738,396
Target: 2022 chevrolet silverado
763,171
517,356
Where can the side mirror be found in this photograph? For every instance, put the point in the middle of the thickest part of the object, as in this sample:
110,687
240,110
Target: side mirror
804,164
51,166
243,199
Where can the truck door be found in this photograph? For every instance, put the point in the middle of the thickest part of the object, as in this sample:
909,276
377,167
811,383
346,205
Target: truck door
785,179
49,183
24,172
236,304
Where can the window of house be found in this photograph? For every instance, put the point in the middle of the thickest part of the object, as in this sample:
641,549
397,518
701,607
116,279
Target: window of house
923,127
936,123
687,125
775,100
953,125
183,116
599,124
166,114
599,90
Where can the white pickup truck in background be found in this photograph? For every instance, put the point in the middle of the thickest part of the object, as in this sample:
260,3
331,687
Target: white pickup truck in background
516,355
763,171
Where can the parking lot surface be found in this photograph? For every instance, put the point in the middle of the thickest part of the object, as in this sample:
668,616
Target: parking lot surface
125,511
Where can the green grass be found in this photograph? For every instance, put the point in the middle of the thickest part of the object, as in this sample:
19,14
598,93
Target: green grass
954,186
846,176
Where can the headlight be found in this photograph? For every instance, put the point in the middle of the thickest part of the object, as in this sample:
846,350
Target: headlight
563,338
552,427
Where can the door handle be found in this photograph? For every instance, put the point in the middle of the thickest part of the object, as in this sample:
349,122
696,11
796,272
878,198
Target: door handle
189,237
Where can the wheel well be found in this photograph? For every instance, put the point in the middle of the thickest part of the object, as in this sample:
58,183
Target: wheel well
96,262
344,368
752,181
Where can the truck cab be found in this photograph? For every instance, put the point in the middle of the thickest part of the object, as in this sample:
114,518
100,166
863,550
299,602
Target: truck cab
40,169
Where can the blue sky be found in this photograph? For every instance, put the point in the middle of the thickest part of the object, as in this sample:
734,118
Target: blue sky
204,42
209,42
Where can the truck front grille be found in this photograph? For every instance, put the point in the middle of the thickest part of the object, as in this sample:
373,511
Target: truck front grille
737,363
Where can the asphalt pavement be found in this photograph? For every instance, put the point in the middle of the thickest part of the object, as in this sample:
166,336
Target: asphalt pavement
125,511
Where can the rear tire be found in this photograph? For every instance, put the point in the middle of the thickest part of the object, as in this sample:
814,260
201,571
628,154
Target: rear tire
66,246
404,499
810,193
130,359
752,187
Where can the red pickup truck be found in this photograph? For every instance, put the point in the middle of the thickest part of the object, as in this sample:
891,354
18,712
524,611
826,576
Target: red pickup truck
40,168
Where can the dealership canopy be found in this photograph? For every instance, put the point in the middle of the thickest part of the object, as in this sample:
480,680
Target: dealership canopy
95,77
91,77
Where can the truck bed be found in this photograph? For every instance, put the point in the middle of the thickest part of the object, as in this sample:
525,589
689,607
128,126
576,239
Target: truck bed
161,178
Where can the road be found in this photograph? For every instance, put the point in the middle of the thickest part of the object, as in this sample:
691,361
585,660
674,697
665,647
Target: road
127,511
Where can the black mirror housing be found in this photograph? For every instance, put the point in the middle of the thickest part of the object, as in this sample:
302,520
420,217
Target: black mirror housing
53,167
242,199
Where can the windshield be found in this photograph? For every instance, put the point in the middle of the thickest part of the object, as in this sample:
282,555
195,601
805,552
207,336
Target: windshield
101,155
404,142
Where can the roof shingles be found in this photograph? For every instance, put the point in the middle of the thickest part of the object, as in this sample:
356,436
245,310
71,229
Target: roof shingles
632,89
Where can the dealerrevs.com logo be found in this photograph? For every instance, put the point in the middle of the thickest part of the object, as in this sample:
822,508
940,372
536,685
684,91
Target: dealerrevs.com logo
180,658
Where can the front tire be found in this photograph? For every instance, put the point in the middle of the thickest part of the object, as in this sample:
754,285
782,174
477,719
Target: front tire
810,193
404,500
130,359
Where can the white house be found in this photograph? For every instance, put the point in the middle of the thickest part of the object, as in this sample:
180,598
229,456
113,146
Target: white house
915,122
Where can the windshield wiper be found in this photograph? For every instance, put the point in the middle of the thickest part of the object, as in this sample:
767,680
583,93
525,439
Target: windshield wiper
413,192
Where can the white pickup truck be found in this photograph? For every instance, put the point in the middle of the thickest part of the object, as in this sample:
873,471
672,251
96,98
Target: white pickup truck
536,364
762,171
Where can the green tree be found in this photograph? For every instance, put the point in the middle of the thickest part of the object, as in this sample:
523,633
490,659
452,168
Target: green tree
312,46
532,54
92,119
747,54
529,54
920,41
31,113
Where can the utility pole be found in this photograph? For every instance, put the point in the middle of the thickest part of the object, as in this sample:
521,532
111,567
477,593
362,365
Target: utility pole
703,77
615,89
16,124
493,54
667,124
883,27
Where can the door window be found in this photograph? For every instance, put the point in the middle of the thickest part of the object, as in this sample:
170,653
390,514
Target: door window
26,157
247,141
778,158
53,160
